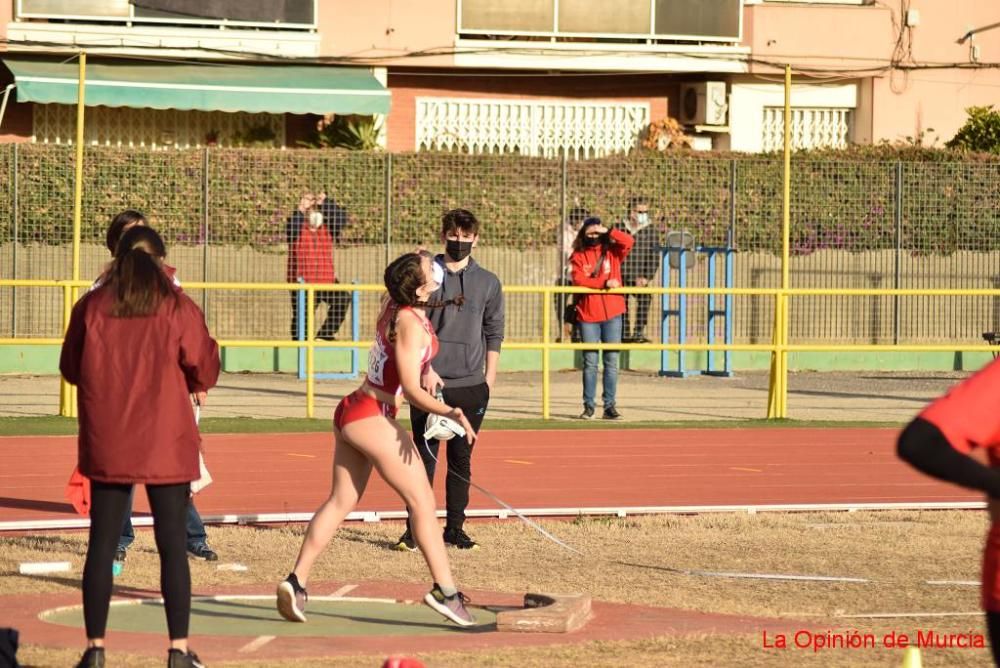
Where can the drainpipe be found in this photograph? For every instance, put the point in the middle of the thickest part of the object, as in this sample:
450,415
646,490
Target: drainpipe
3,105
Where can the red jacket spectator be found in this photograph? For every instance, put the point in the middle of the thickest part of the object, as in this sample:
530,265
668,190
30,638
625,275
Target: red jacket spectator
134,377
311,256
587,274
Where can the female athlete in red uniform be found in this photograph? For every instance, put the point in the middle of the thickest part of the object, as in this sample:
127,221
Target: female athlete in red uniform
939,442
367,434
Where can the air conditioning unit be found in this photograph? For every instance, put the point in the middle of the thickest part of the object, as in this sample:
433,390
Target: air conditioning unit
704,103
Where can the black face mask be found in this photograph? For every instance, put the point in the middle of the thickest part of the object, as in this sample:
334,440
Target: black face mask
458,250
592,241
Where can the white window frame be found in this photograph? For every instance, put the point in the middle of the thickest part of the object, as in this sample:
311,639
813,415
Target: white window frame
747,100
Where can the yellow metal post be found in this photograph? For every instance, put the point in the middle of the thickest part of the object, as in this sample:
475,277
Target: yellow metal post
310,354
65,389
778,385
67,403
546,325
786,232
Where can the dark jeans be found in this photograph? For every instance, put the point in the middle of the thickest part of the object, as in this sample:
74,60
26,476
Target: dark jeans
196,536
473,401
606,331
109,502
337,305
642,305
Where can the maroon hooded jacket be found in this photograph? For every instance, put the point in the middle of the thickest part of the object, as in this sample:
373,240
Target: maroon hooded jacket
134,377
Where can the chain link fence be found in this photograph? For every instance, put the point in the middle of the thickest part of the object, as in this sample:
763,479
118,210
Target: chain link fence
224,215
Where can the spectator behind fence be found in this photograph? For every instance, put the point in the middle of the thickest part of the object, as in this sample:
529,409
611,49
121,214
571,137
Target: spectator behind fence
310,260
640,267
597,260
566,304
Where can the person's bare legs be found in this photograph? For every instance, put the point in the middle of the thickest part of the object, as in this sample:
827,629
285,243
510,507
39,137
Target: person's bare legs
391,450
351,470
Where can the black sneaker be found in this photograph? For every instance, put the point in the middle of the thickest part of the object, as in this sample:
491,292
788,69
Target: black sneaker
406,543
203,552
588,413
179,659
292,599
611,413
92,658
460,539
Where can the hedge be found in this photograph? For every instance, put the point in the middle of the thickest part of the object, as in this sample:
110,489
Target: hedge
840,199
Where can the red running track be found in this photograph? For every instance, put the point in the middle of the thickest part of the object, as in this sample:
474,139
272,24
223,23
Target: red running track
278,473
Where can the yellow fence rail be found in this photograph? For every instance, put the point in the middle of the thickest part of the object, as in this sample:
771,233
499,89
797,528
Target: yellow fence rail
779,348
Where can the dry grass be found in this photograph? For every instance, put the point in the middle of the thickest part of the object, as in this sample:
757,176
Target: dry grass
629,560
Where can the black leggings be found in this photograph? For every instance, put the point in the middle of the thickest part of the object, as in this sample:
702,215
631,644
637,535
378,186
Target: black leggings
993,627
169,504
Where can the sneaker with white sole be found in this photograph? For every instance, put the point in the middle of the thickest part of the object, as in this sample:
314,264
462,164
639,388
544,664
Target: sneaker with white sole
452,607
292,599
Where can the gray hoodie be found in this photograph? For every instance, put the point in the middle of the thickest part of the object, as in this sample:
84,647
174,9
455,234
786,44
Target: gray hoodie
467,332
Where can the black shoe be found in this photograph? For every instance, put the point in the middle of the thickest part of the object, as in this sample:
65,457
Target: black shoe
611,413
118,565
179,659
203,552
458,538
92,658
120,554
588,413
292,599
406,543
640,338
327,337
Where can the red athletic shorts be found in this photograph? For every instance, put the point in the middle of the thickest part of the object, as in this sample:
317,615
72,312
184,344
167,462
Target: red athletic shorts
357,406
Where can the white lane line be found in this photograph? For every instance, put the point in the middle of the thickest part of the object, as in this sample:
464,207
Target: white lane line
256,644
344,590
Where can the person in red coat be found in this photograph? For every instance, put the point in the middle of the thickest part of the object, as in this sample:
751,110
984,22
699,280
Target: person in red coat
597,263
310,260
136,348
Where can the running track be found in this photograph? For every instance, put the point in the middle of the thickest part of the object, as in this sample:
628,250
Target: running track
290,473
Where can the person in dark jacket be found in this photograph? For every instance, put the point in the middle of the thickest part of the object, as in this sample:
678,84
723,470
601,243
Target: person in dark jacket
597,263
640,267
137,348
940,442
470,334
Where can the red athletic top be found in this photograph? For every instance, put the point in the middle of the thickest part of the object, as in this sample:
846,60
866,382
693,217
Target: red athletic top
969,417
969,414
383,372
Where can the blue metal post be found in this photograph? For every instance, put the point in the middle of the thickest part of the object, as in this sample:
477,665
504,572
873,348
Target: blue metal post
300,329
710,302
664,311
728,370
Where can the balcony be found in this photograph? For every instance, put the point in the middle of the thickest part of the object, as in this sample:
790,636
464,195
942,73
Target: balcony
644,22
155,27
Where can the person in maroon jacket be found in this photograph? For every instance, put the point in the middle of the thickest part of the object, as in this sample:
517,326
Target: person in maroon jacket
310,260
597,263
136,348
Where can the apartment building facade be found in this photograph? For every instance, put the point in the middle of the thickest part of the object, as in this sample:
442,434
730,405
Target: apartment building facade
538,77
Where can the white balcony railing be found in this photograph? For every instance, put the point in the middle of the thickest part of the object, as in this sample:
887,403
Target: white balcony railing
576,129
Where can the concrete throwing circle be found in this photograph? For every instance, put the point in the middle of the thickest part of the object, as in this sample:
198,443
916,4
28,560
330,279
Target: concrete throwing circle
249,615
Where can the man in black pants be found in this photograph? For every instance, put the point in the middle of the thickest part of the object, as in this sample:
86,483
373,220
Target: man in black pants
640,267
470,334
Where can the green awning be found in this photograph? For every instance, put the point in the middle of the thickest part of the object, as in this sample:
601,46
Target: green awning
295,89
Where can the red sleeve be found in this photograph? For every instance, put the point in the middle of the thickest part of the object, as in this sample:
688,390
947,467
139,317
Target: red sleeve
581,277
72,348
968,414
621,242
199,354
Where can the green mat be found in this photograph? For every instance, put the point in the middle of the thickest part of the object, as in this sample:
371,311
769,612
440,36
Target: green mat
258,617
